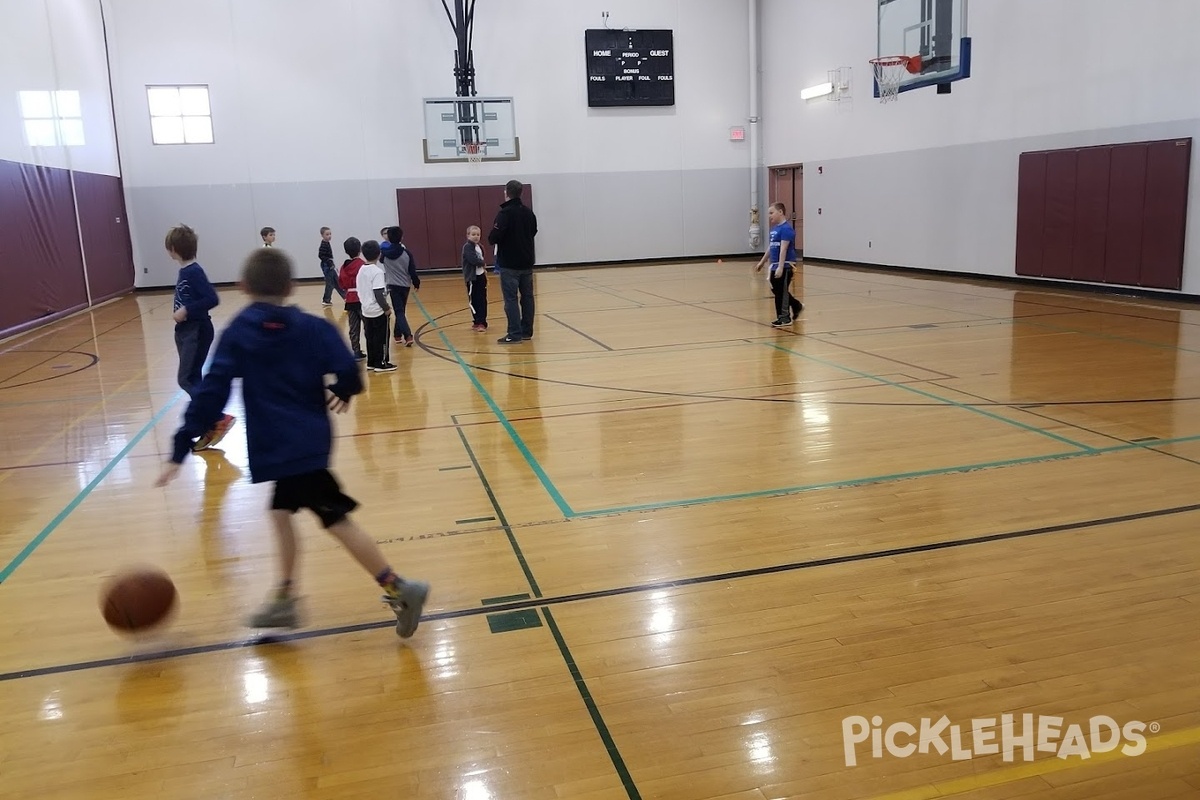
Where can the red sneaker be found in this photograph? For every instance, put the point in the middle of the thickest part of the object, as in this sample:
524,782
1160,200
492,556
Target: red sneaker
220,429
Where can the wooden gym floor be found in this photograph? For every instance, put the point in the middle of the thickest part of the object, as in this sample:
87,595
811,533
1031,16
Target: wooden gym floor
674,551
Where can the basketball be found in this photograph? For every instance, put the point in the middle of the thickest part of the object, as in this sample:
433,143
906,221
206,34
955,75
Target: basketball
138,599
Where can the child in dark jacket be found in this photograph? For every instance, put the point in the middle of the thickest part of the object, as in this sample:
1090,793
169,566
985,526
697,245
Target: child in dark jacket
475,274
282,356
328,270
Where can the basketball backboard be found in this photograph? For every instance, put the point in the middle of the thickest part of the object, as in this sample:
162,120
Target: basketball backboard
935,30
453,124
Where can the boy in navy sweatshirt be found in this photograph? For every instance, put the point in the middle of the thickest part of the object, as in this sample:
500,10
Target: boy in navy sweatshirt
194,299
282,356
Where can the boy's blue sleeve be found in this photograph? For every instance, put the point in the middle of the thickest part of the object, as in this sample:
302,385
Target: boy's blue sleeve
340,362
204,296
208,404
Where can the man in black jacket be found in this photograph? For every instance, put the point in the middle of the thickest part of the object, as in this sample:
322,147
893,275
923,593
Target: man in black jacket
512,234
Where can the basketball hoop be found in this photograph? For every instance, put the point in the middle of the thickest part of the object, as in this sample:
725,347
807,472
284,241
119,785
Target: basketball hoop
474,152
890,71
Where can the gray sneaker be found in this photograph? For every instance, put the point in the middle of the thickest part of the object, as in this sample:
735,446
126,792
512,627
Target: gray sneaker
407,606
276,613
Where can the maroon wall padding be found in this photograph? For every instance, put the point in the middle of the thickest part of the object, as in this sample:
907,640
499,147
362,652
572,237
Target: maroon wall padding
1165,215
439,221
465,201
1059,233
1126,199
1031,212
41,266
410,203
1091,214
107,249
1108,214
435,220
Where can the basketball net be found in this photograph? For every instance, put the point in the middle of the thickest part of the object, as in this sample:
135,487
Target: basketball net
474,152
890,72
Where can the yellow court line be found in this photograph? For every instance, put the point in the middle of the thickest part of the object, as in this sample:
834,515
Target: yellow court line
1051,764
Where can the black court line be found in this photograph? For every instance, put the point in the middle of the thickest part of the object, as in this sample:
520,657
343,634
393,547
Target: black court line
707,395
600,594
449,469
610,746
93,359
593,710
816,337
944,280
503,520
608,290
89,340
581,333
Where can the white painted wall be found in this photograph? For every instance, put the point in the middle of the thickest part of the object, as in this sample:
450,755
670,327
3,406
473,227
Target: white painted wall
930,180
317,116
49,45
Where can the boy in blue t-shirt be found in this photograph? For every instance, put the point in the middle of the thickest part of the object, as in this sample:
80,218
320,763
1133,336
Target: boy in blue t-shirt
282,356
782,255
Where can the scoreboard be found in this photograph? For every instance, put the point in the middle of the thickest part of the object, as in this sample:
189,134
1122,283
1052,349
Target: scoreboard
630,68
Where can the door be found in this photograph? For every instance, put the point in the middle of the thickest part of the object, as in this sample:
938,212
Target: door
787,187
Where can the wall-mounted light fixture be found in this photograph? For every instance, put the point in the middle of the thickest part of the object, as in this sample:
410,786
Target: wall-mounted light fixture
820,90
836,88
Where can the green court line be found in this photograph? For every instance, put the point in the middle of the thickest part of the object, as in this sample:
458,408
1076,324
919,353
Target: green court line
897,476
27,551
547,484
570,513
931,396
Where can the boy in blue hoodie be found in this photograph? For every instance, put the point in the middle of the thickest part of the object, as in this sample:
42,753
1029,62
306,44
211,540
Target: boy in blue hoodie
282,356
194,299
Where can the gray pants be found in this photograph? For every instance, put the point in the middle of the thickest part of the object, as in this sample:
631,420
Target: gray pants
193,338
520,314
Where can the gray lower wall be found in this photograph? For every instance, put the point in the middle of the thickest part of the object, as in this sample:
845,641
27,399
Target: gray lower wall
949,208
581,217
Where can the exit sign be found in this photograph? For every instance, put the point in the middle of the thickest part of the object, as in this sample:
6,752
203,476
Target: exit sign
737,134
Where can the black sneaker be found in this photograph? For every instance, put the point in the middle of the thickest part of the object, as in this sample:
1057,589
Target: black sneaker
386,368
781,322
528,338
508,340
796,309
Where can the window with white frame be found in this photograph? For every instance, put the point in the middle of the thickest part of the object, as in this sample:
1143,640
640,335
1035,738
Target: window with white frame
52,119
180,115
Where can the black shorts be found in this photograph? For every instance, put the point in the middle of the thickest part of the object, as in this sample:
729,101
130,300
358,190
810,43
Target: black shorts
318,491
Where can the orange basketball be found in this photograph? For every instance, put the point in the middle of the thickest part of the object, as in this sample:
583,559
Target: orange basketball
138,599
